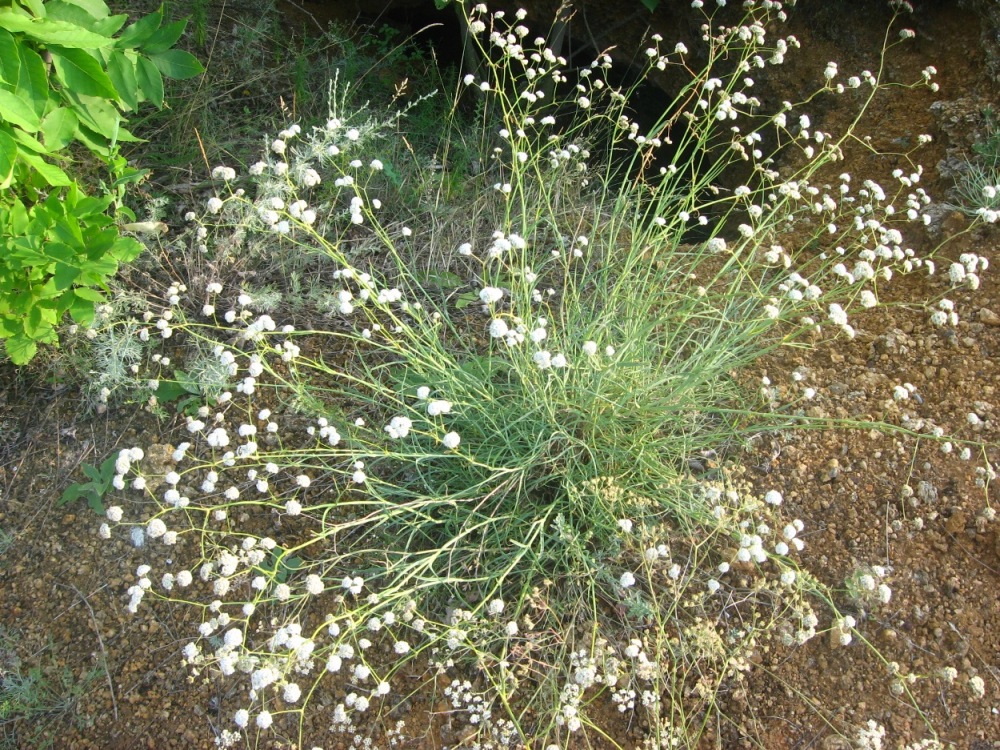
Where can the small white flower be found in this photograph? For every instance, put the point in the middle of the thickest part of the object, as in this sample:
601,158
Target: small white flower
451,440
884,593
436,408
977,686
498,328
490,295
264,719
627,580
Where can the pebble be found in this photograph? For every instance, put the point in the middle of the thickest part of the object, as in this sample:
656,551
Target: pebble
988,317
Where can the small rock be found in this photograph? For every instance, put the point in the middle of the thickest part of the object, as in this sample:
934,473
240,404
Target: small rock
927,492
837,742
829,472
988,317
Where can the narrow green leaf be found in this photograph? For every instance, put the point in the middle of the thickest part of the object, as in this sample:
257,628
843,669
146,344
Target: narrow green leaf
28,141
18,217
98,115
58,10
52,174
91,295
177,64
150,81
81,73
650,5
8,155
26,250
90,14
49,31
98,9
32,83
37,7
10,60
164,38
121,70
20,349
140,32
59,127
13,109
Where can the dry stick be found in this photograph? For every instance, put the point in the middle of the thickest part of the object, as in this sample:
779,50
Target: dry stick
104,653
201,146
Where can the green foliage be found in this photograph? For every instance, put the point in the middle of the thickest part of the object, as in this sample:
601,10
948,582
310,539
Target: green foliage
94,491
977,187
988,149
65,78
33,698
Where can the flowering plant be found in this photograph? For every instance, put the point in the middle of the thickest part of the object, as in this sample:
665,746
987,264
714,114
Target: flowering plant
510,475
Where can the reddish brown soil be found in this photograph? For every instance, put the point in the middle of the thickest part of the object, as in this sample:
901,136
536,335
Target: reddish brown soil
62,591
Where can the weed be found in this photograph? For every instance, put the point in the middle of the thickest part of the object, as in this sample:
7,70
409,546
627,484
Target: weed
94,491
33,699
481,452
978,186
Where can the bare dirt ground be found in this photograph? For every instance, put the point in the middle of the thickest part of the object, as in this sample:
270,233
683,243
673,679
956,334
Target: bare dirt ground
62,590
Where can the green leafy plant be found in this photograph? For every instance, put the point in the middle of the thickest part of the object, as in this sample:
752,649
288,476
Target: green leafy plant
94,490
978,185
33,698
66,78
988,149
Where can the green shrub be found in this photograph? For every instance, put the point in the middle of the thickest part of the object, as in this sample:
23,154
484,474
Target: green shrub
65,79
